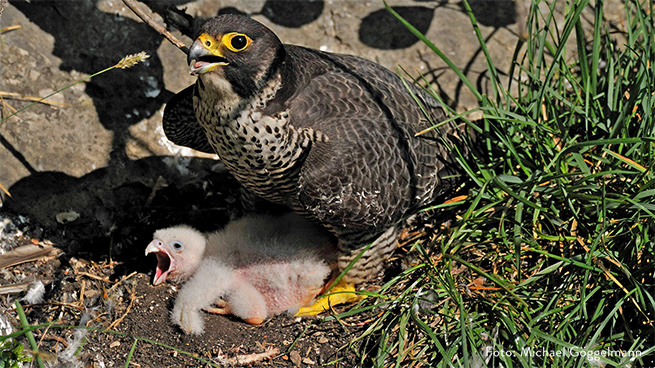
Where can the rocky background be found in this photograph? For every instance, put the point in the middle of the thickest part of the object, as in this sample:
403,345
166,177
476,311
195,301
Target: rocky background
117,116
94,161
92,173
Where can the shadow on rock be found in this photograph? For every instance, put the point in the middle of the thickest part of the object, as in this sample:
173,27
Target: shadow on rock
287,13
292,13
88,40
497,13
104,215
382,30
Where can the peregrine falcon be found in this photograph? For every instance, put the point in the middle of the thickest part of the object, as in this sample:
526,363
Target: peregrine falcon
331,136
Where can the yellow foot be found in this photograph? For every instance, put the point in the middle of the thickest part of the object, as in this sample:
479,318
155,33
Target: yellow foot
217,310
220,308
341,293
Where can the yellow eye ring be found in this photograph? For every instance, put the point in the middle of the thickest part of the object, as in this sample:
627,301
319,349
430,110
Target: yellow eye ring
236,41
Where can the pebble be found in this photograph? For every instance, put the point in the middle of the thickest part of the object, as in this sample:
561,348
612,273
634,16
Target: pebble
295,358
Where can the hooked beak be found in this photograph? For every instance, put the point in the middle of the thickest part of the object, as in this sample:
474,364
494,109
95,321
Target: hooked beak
165,263
201,60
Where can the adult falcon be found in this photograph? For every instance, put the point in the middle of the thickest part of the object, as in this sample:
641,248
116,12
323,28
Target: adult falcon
331,136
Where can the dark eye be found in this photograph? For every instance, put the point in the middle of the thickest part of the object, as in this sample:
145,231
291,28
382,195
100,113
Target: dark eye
177,245
239,42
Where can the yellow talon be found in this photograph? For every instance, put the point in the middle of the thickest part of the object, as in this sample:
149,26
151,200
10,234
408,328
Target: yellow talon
341,293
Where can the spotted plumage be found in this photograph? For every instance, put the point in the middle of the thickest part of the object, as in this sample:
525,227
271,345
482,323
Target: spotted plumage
331,136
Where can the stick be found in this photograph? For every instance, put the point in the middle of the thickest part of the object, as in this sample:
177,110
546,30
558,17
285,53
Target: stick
18,96
10,28
151,22
246,359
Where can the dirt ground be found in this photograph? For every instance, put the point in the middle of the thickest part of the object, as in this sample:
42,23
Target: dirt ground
106,284
85,294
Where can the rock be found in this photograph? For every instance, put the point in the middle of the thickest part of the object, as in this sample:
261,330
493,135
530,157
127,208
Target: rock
66,217
3,3
295,357
101,154
116,116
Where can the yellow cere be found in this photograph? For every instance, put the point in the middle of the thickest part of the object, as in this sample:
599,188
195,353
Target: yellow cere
210,44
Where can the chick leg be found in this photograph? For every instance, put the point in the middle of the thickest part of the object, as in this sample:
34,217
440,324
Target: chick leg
210,282
247,303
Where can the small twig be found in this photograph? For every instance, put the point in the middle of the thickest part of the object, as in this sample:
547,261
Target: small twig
151,22
58,304
122,280
490,288
246,359
56,338
43,336
6,105
18,96
159,184
10,28
96,318
82,291
133,298
5,191
82,273
111,264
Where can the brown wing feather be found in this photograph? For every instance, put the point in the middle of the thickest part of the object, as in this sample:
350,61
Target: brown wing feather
373,170
180,124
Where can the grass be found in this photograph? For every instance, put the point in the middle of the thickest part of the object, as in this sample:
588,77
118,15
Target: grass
551,261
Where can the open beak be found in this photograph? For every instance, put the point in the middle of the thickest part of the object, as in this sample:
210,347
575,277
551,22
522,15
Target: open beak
165,263
201,60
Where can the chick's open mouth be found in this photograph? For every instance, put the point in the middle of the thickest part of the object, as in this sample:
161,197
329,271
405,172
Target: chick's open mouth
165,264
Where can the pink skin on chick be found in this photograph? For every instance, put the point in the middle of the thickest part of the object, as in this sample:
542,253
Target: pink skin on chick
256,267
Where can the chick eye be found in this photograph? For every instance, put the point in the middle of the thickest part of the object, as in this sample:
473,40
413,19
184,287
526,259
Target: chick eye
237,41
177,245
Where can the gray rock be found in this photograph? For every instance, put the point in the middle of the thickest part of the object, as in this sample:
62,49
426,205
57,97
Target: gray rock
109,134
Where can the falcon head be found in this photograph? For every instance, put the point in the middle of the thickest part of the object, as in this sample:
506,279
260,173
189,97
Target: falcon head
237,50
179,251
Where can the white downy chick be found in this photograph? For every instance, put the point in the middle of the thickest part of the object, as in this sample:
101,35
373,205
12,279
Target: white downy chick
179,251
255,268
